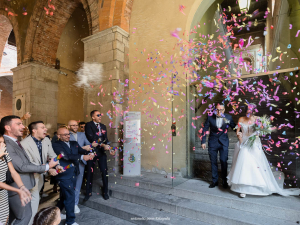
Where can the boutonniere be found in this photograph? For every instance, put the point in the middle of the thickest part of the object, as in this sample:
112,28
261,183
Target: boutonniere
226,120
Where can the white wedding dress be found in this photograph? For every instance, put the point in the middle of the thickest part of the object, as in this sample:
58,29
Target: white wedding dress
250,172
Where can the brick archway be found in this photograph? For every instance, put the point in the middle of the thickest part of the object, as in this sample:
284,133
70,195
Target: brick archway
44,31
10,23
115,13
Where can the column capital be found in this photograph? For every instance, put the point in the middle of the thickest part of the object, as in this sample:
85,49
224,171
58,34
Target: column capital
33,64
114,29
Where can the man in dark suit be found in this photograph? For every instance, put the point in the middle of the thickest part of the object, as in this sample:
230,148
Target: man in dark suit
73,154
96,132
218,142
12,128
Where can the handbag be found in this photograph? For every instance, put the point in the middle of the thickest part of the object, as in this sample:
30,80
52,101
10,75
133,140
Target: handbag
9,179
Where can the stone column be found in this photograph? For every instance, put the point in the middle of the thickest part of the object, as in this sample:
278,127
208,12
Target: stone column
110,48
39,84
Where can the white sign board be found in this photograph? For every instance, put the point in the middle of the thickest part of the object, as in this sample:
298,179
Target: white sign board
132,144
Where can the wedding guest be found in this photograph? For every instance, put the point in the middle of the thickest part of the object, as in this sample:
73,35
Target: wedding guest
73,153
23,194
13,129
39,149
96,132
82,126
54,138
47,216
85,144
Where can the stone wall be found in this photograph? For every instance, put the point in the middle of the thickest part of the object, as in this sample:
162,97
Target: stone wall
39,84
110,48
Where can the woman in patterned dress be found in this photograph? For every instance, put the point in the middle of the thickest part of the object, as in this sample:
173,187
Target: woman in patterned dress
5,164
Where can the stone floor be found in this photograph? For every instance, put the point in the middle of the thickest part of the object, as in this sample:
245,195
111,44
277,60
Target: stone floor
87,216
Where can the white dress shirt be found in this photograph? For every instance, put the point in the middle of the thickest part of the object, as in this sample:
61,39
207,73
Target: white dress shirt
219,122
100,133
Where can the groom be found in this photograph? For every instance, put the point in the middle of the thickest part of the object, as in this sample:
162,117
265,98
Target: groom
218,142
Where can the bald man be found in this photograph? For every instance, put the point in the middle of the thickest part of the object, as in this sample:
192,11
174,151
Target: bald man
85,144
73,154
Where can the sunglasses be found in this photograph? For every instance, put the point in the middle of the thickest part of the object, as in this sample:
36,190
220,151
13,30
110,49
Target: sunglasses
99,115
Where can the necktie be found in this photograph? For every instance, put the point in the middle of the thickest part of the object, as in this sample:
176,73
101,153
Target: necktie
20,145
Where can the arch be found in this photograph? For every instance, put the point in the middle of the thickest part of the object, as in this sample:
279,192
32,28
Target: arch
205,4
44,31
15,26
115,13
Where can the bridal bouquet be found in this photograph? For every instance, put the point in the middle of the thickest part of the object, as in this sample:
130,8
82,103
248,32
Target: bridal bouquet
262,127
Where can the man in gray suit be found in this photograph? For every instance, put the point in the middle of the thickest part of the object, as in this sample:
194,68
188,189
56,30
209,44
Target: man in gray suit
12,128
86,145
39,149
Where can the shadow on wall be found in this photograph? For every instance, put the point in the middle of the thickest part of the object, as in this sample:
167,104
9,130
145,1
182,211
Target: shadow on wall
6,97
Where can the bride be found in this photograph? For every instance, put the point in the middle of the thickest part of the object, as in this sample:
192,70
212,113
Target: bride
250,172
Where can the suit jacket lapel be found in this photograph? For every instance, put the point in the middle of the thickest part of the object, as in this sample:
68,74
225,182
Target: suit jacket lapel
15,145
215,121
44,151
66,146
36,154
72,138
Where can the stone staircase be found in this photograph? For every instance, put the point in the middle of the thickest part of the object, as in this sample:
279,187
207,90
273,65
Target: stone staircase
150,199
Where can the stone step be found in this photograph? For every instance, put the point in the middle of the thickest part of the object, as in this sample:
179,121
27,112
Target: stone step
135,213
205,212
88,216
274,206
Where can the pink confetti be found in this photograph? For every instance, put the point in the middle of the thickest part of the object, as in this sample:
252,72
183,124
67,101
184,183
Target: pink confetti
297,33
181,8
137,184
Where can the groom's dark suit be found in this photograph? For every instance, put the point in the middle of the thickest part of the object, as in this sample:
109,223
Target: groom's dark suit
218,142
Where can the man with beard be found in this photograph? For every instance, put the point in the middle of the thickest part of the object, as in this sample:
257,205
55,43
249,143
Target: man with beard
12,128
39,149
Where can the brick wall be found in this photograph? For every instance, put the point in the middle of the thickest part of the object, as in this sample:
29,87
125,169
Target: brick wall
44,31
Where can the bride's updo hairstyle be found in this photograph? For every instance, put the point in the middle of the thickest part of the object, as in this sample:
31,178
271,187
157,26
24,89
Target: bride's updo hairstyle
250,106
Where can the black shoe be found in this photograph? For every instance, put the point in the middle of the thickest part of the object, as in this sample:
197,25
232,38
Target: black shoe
105,196
212,185
225,185
86,198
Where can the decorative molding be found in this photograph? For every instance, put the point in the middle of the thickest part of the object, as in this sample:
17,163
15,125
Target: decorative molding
110,30
35,65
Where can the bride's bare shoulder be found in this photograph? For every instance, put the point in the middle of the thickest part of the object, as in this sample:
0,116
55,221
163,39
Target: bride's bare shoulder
241,119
